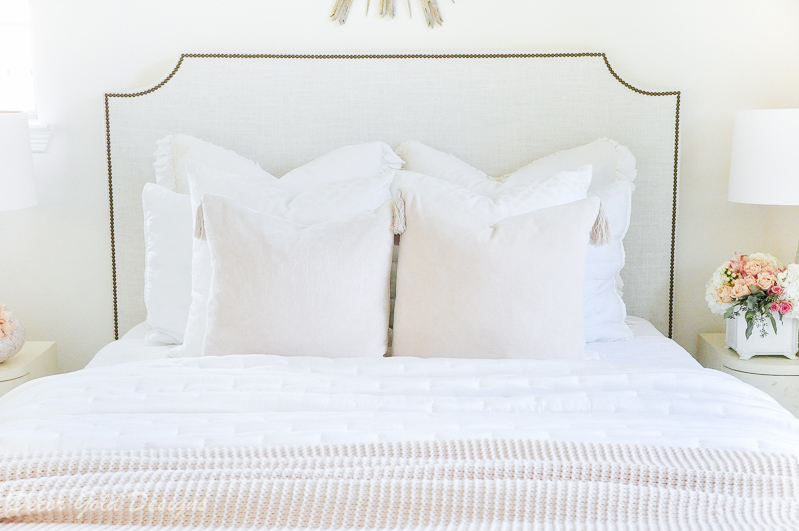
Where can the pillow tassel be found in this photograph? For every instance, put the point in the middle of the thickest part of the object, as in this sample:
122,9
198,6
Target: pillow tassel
600,232
399,213
199,223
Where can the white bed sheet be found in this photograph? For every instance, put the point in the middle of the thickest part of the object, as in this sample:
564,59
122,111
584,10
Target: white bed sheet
130,347
648,346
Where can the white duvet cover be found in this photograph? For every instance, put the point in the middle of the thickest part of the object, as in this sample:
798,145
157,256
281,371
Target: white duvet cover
648,346
258,400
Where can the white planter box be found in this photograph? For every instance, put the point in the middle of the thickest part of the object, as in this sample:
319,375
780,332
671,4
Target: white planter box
784,343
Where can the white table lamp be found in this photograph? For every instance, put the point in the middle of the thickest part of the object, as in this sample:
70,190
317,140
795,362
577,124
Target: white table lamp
17,189
764,169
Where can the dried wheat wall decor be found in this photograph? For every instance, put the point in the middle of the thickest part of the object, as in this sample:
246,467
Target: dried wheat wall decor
430,9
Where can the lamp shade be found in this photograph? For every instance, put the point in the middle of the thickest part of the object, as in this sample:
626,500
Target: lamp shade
17,189
764,169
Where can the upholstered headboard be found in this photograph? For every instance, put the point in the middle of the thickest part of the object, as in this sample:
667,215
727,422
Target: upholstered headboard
497,112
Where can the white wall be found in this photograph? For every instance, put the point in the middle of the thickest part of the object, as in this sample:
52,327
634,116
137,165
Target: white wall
723,56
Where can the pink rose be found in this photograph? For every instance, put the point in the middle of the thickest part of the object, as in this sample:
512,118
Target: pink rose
724,294
750,281
6,326
766,281
775,307
752,267
776,290
785,307
740,290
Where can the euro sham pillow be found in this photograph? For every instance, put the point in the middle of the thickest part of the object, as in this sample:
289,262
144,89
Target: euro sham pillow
320,203
478,284
167,263
347,162
613,175
173,151
318,289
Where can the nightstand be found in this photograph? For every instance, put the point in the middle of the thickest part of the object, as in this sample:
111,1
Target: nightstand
36,359
776,375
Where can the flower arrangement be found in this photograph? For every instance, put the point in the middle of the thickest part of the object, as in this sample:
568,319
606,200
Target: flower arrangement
6,324
756,286
12,334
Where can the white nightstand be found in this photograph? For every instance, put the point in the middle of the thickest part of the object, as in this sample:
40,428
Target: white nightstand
776,375
36,359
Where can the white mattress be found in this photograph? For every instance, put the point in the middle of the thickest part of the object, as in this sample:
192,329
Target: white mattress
662,398
648,346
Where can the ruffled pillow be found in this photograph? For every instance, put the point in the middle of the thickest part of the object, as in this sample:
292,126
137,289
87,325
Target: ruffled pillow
613,175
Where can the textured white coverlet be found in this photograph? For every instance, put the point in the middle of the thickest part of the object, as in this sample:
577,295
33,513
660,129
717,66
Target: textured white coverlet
461,484
258,400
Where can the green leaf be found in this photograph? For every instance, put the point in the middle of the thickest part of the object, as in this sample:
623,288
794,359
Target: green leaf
750,324
773,322
730,312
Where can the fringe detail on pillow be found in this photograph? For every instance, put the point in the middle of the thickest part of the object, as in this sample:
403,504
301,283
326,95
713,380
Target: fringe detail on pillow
164,163
199,223
600,232
625,161
391,159
401,152
399,213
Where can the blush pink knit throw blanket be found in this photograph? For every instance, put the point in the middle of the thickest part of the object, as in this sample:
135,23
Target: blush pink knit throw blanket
463,484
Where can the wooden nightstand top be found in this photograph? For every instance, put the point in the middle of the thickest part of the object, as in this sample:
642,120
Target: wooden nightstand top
766,365
19,365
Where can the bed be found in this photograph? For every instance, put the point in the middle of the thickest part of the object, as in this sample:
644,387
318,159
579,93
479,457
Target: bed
625,434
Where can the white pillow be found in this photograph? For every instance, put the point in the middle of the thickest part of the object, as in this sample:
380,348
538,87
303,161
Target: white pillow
344,163
319,203
613,174
510,198
167,263
347,162
173,151
317,290
473,283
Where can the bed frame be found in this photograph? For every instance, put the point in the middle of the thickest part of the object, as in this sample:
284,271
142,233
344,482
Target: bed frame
497,112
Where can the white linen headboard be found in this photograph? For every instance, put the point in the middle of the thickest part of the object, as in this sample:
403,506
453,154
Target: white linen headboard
497,112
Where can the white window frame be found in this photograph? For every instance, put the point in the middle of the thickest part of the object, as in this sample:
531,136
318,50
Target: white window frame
16,13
